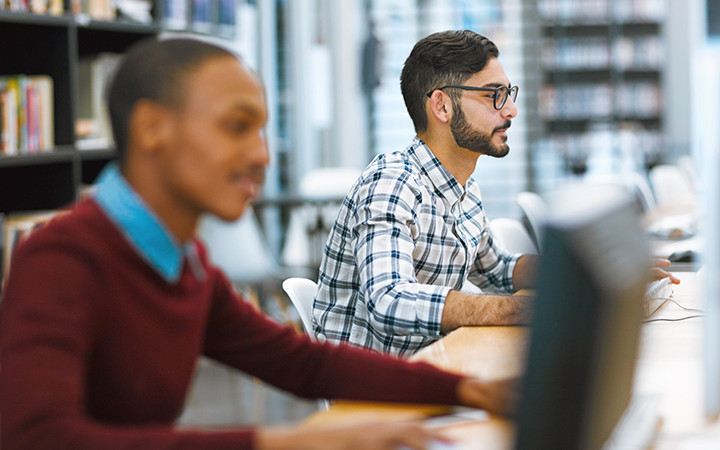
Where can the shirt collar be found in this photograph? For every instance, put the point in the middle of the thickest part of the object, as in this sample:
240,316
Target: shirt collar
143,230
444,182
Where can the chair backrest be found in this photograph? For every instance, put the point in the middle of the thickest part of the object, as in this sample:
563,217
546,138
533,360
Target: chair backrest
671,184
302,293
634,183
238,248
535,212
511,235
686,163
643,191
328,182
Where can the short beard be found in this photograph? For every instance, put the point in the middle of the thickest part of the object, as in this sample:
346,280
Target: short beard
474,140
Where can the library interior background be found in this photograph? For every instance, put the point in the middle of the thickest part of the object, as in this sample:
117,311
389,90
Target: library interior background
609,89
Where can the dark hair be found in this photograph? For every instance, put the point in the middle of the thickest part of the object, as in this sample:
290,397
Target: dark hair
447,57
153,70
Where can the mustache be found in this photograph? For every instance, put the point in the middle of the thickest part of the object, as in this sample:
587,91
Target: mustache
504,126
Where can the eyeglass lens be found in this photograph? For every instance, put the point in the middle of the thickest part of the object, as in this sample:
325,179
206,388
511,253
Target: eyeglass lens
502,95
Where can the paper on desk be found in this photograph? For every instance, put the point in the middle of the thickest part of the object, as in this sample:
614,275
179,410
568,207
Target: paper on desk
682,226
435,445
701,443
465,416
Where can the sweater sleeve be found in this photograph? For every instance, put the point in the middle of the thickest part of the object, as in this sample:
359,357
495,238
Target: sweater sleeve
46,331
248,341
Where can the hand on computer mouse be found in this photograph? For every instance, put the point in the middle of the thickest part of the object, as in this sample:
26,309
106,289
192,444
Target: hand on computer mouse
658,273
497,397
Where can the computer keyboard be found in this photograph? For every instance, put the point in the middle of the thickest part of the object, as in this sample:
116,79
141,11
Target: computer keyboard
637,427
461,416
437,445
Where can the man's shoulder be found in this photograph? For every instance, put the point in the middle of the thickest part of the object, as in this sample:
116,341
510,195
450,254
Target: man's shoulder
75,245
397,168
84,226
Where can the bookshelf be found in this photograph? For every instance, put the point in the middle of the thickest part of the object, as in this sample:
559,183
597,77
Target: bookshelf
37,44
70,45
601,64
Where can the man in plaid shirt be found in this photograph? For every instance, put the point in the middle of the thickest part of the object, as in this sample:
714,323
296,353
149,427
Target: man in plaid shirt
412,229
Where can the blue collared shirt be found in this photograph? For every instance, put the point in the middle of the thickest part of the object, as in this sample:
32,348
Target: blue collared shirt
143,229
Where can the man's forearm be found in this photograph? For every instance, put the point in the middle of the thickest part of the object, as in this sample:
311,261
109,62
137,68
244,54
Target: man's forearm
477,310
524,272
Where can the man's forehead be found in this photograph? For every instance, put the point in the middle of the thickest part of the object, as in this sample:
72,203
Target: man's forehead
492,75
225,78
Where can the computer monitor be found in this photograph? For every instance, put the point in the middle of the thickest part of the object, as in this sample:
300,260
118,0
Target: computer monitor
586,321
706,114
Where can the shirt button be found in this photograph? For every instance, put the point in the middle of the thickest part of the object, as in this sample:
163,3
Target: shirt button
321,338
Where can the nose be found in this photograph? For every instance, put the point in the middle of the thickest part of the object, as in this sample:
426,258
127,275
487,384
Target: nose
509,109
258,151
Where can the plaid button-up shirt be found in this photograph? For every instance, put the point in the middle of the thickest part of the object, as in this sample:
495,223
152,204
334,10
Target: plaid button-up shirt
406,234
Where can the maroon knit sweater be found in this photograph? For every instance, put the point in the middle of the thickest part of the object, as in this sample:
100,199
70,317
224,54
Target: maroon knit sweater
98,351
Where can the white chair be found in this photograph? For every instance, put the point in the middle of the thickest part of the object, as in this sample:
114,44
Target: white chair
671,185
512,236
535,213
634,183
302,293
238,248
643,191
241,251
686,163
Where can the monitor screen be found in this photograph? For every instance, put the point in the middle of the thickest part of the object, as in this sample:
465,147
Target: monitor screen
586,321
706,115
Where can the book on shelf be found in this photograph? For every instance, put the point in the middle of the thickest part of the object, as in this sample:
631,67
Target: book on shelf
17,228
93,9
175,14
93,124
591,12
202,15
135,10
226,17
582,101
49,7
600,52
110,10
26,114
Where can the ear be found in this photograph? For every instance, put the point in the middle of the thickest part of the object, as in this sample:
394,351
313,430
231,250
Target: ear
439,106
149,126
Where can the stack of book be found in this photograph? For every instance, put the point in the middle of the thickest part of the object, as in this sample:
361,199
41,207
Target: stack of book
26,114
110,10
93,9
51,7
92,126
204,16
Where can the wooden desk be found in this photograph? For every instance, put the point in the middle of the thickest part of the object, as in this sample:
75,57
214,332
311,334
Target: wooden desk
670,363
485,352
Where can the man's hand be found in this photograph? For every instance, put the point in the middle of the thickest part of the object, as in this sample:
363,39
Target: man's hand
657,272
497,397
377,436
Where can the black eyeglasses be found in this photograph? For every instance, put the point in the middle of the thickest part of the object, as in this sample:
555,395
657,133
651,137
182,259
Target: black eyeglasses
499,97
